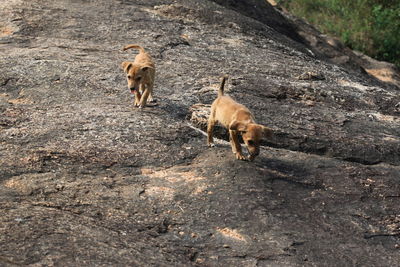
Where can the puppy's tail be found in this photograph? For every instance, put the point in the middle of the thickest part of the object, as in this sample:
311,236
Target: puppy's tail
221,87
141,49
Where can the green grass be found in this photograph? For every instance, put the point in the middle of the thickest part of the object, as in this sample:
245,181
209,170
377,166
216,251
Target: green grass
369,26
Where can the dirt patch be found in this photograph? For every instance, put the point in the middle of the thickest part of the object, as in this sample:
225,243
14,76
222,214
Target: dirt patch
232,233
5,31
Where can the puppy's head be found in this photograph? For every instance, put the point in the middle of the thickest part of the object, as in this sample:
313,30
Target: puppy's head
134,74
252,135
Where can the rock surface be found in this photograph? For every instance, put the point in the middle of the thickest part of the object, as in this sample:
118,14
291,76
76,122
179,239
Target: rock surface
88,180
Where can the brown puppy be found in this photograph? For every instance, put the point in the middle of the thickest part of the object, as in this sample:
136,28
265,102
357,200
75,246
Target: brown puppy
140,76
238,119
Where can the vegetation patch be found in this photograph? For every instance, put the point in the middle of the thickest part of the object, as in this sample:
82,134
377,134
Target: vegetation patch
369,26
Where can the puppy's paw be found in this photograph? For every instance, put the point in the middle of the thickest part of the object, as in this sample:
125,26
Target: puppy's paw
240,156
211,145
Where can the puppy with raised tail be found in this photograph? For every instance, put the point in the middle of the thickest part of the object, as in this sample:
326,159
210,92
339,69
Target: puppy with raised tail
140,76
238,120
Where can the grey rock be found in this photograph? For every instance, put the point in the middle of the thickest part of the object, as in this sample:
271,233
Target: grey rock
88,180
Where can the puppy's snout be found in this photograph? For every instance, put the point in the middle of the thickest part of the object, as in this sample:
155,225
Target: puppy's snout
132,87
255,153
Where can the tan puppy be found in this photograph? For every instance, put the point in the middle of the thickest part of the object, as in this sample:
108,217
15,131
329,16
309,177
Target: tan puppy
140,76
238,119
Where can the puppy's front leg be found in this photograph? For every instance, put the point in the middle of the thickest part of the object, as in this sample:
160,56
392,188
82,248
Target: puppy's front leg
150,99
137,98
143,100
236,148
232,144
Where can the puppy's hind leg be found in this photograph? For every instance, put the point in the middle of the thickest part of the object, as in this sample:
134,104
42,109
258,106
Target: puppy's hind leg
210,128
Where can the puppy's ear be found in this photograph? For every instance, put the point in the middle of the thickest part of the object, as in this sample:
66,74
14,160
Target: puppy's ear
145,68
267,132
126,66
238,126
